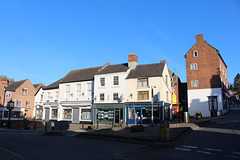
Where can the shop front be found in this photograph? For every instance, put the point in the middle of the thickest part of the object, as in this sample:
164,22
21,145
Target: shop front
141,112
112,114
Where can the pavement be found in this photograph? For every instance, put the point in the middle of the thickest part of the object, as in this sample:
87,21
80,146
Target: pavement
150,135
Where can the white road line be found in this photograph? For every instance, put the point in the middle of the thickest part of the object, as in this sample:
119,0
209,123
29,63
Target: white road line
236,153
204,152
212,149
182,149
193,147
231,156
229,121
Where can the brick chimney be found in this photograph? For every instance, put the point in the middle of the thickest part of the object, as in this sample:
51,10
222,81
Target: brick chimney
132,60
199,38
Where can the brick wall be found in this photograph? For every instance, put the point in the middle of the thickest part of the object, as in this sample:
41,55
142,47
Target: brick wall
18,95
208,63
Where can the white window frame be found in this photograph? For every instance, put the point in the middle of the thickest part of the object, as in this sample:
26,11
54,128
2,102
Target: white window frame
102,81
24,91
193,66
116,81
100,97
172,79
89,89
194,83
49,95
56,96
194,55
78,90
68,90
114,96
142,82
19,103
28,104
8,95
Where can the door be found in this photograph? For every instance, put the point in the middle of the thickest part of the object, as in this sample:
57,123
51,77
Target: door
47,114
117,116
75,115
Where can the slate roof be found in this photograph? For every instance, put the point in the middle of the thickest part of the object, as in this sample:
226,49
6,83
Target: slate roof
54,85
36,85
80,75
148,70
114,69
13,86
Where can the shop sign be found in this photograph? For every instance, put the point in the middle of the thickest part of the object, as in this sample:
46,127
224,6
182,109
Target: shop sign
174,98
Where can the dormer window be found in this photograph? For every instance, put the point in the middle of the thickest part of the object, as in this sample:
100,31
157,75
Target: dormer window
195,53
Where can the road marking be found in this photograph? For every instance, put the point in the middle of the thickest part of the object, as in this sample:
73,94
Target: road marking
204,152
231,156
193,147
235,153
183,149
212,149
229,121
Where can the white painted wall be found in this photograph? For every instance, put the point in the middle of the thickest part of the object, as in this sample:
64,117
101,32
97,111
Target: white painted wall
109,88
38,101
159,82
198,101
38,97
73,91
53,96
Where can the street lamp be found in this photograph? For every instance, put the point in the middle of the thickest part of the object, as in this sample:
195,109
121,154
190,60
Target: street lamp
10,106
152,101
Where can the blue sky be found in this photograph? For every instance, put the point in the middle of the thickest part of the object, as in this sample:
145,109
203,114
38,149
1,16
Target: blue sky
42,40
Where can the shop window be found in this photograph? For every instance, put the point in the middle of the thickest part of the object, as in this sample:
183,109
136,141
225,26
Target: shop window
106,114
86,114
115,80
143,95
67,114
5,114
142,82
115,96
130,113
54,113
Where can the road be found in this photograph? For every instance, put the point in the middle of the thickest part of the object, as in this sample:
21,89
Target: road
219,140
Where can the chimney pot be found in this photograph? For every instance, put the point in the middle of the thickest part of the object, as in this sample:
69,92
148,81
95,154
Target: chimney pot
199,38
132,60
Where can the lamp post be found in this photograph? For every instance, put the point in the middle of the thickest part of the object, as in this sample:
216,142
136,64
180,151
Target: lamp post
152,101
10,106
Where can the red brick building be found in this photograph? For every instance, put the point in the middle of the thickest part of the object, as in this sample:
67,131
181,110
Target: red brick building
206,79
22,93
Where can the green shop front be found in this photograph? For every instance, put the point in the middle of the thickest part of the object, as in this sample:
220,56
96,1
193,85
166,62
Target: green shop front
110,113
